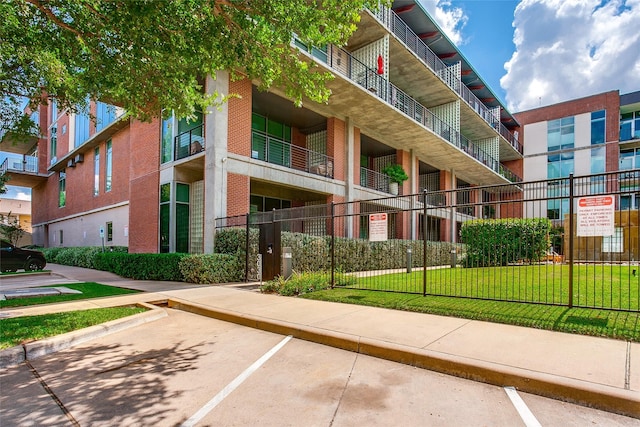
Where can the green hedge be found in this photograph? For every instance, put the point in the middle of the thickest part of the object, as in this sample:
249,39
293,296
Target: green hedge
312,253
80,256
212,268
493,242
141,266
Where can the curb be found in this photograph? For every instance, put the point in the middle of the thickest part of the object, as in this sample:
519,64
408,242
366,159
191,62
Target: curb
598,396
29,351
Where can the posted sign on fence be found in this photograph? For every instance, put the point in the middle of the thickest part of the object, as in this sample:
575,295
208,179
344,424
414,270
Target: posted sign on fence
378,227
596,216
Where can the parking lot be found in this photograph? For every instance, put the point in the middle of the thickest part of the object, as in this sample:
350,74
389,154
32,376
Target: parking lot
187,369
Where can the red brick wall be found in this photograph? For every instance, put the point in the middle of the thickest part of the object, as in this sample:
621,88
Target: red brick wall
336,146
237,194
144,184
239,139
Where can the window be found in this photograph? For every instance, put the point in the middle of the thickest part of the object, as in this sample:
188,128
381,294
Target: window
109,168
167,139
96,171
270,140
560,134
53,145
165,216
54,110
105,115
598,122
630,159
182,218
630,201
559,165
62,184
598,156
61,237
81,128
630,126
109,232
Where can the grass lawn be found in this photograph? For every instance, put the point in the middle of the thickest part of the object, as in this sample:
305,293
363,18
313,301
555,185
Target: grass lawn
16,330
88,289
586,321
600,286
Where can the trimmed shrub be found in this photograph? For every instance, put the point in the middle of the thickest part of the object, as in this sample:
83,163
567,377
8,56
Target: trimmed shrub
211,268
78,256
302,283
141,266
492,242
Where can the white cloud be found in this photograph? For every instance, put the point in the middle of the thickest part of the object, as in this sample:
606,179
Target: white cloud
568,49
450,19
22,196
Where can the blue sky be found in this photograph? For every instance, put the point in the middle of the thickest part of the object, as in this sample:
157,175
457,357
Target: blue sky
534,53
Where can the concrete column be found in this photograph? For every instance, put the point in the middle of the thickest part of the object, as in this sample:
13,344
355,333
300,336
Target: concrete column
215,168
414,182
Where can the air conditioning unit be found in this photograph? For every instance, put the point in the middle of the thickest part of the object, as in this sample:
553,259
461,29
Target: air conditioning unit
79,158
71,163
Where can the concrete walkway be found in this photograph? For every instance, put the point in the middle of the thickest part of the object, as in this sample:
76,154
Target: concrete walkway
597,372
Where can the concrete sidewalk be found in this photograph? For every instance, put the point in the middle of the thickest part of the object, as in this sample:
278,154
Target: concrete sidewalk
597,372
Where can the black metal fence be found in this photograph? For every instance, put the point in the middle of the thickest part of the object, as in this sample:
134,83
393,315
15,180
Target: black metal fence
569,241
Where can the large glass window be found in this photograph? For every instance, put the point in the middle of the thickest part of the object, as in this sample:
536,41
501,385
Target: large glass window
179,135
167,139
560,165
108,168
62,188
560,134
105,115
96,171
630,126
630,159
165,216
53,145
182,218
81,128
270,140
598,122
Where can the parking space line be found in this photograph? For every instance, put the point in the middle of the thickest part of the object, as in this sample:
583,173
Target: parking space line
226,391
522,408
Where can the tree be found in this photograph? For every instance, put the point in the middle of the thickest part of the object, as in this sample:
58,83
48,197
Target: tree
146,55
3,181
11,229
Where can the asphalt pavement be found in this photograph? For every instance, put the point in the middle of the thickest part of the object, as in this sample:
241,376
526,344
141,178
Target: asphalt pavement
591,371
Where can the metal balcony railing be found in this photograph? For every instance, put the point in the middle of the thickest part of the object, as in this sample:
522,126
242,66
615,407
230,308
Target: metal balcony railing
406,35
376,181
189,143
344,63
279,152
27,164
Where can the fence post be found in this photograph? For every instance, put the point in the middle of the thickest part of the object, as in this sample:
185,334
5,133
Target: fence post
333,245
571,196
424,242
246,250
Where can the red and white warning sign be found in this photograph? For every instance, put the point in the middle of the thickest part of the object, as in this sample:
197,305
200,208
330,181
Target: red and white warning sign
378,227
596,216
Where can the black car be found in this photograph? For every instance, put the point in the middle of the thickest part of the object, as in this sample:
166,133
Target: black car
13,258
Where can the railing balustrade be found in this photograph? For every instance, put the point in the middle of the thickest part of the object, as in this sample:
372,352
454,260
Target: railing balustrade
277,151
376,181
405,34
189,143
19,164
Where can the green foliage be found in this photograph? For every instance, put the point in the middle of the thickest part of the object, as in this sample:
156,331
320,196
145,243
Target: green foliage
302,283
141,266
3,179
395,173
71,49
493,242
78,256
88,289
11,229
15,330
213,268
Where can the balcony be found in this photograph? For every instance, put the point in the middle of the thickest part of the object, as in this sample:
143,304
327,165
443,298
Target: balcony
279,152
413,42
376,181
357,72
22,170
189,143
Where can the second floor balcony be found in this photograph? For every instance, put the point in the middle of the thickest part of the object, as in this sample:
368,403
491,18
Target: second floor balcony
22,171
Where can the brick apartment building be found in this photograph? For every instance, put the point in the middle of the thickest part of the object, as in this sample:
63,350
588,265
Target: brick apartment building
585,136
402,94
